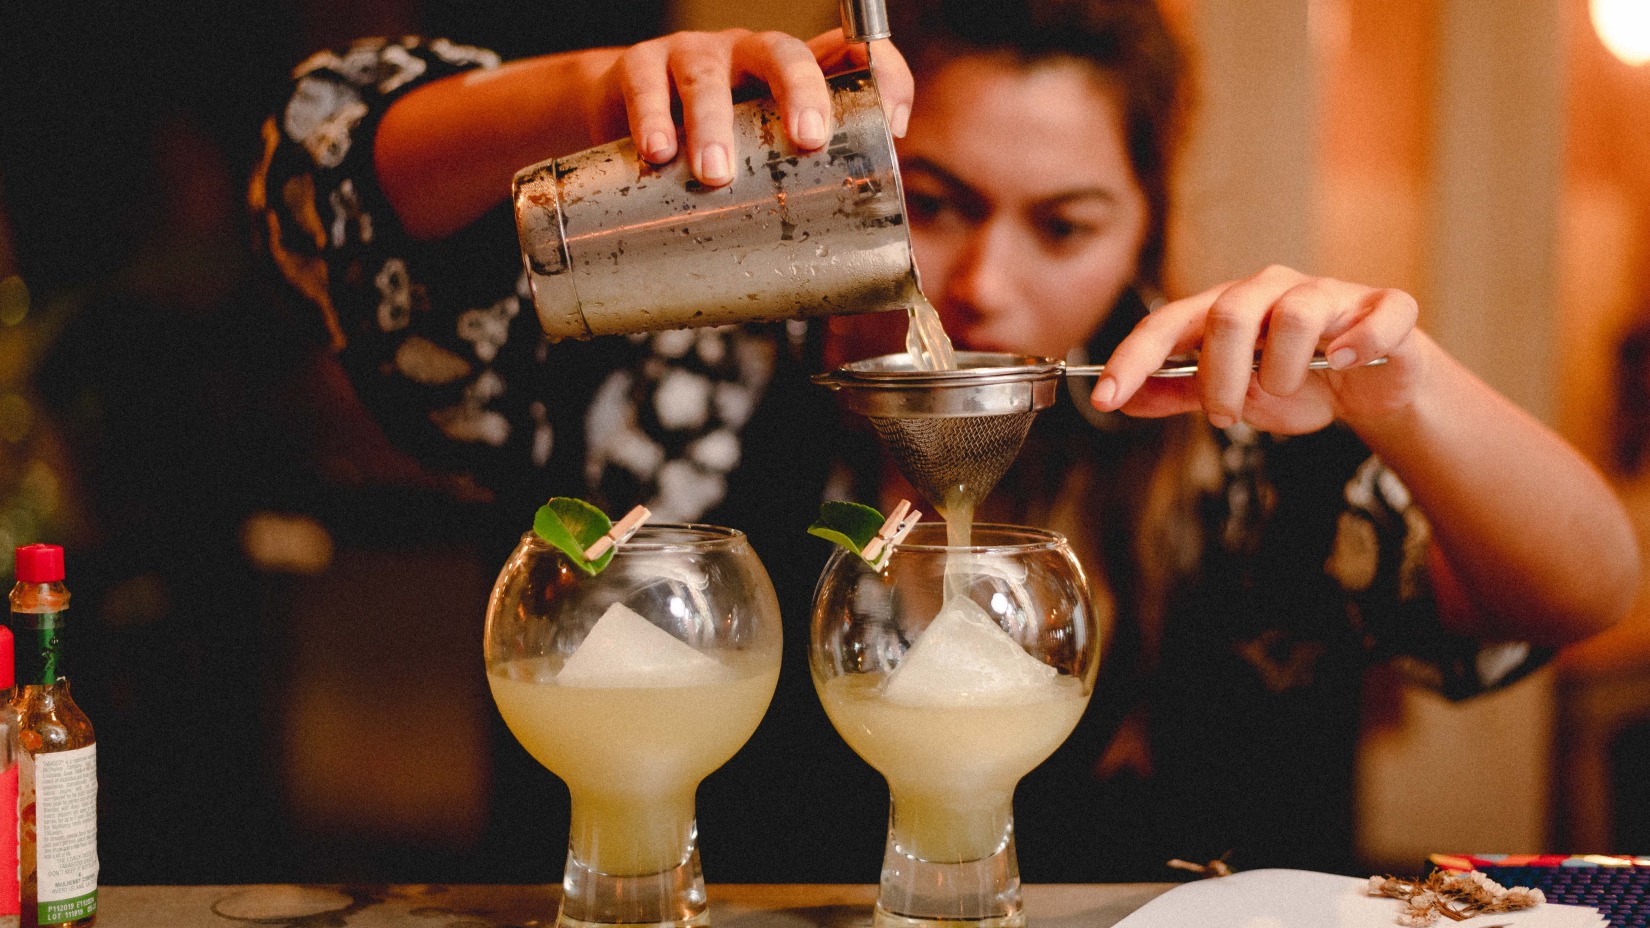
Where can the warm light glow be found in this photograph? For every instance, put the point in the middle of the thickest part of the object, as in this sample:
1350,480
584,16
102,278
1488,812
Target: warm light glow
1624,27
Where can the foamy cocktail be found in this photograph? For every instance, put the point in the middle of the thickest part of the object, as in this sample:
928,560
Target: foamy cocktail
952,766
632,686
632,751
954,670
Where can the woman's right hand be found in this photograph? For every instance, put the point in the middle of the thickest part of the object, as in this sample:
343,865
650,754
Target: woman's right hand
445,152
702,71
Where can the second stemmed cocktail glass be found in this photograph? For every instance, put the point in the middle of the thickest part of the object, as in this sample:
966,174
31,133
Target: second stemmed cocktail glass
632,685
954,671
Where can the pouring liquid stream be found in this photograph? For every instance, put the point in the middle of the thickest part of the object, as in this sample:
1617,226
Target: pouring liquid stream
925,339
930,350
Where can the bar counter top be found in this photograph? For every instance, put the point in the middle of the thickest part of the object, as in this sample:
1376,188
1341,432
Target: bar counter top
481,906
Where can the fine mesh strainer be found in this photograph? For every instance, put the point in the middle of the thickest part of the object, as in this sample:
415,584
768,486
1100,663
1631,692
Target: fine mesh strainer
951,433
954,433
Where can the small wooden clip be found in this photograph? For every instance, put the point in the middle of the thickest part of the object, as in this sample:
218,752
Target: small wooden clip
898,525
619,533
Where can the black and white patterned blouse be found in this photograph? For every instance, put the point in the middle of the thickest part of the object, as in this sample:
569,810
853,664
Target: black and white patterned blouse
441,341
1302,564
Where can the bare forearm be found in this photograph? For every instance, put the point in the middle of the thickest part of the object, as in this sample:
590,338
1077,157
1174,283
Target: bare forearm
445,153
1533,535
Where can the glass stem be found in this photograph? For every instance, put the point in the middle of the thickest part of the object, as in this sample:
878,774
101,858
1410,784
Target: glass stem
632,834
951,827
950,859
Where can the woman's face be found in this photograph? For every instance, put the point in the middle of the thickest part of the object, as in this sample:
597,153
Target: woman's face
1025,214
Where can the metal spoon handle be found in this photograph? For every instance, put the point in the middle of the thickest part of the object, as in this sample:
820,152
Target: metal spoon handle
1183,367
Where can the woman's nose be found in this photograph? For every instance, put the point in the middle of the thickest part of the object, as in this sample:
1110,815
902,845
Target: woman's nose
985,269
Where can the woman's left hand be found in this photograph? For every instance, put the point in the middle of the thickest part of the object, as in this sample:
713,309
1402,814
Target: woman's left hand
1254,338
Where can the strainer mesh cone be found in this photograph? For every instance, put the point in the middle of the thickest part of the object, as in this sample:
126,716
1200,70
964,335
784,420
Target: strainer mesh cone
952,433
954,460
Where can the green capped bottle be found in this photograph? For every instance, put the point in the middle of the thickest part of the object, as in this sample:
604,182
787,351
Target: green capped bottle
57,756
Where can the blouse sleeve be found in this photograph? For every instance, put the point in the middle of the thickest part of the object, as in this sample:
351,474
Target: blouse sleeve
319,211
1317,556
439,339
1380,558
431,334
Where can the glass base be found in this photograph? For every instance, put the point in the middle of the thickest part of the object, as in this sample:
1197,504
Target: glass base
673,898
881,918
917,893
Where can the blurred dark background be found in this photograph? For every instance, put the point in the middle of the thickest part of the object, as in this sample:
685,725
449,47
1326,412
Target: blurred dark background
277,696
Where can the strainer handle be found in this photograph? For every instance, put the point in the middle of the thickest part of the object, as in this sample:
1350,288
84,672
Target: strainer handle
1183,367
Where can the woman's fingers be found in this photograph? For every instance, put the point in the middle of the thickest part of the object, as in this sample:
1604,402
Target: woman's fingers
894,83
1279,318
701,67
702,70
1297,322
1387,318
1171,328
787,65
643,82
1231,334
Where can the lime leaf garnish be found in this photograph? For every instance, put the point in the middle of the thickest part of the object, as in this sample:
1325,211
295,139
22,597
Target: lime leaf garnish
573,525
851,525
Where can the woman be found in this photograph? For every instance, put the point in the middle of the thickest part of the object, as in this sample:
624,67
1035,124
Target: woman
1249,578
1254,577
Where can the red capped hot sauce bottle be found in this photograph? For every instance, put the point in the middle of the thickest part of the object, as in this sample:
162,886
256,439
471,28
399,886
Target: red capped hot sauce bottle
57,756
10,895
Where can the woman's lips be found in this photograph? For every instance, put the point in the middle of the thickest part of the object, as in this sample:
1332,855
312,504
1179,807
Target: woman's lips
974,338
971,330
966,329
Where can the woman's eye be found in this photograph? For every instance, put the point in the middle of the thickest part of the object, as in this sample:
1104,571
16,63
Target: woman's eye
931,204
1057,230
923,206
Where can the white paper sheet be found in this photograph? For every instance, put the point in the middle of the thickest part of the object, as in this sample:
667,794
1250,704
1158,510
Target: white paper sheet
1303,899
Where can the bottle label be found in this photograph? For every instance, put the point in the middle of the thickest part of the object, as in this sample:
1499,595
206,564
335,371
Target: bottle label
65,795
39,646
10,897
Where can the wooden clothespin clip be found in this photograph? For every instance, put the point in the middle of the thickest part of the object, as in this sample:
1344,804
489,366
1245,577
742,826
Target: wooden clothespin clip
899,524
619,533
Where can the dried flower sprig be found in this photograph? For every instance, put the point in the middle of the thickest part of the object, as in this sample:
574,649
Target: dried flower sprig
1216,867
1454,895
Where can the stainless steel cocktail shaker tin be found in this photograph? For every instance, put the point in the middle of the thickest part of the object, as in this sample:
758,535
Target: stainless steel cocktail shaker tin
613,244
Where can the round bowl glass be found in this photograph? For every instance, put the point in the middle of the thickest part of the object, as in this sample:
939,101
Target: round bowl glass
632,685
954,671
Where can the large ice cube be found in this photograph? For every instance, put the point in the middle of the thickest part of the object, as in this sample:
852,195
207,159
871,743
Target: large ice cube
624,649
965,657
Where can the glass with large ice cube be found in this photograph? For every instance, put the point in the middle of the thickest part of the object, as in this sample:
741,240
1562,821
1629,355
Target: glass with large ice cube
631,686
954,671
